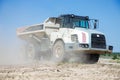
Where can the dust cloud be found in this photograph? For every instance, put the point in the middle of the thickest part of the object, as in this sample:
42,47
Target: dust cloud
10,50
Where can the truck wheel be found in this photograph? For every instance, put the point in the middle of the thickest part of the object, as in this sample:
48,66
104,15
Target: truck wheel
89,58
58,51
94,58
31,52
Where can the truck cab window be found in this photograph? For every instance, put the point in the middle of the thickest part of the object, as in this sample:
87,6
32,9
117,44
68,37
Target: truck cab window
81,24
72,22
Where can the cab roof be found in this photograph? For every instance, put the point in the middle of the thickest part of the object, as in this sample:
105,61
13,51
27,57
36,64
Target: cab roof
73,16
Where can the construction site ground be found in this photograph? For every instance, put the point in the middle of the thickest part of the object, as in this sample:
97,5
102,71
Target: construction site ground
103,70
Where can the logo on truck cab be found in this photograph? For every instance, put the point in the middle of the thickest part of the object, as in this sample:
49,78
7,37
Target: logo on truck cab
83,37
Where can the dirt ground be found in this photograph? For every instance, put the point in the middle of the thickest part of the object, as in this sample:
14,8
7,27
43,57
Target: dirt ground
62,71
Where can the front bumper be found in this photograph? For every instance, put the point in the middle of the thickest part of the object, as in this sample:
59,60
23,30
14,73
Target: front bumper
75,48
92,51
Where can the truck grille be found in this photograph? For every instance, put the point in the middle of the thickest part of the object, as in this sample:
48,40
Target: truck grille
98,41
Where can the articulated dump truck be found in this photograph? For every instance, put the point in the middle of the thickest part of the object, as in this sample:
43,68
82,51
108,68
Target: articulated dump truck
61,37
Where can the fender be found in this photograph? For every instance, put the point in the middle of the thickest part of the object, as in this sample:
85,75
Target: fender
54,36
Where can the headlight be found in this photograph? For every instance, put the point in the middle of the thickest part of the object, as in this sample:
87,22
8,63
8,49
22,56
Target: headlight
74,38
84,45
110,47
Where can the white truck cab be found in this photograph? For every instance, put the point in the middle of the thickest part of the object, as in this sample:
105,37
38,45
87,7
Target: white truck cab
67,34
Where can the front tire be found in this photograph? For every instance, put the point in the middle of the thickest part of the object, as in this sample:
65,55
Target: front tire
58,51
88,58
94,58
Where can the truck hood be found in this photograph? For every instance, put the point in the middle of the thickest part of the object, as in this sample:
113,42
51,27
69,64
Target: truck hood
84,35
89,31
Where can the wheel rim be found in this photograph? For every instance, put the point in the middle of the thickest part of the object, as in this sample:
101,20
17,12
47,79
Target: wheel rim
58,52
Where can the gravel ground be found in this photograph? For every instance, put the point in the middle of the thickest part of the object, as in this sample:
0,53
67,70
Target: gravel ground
62,71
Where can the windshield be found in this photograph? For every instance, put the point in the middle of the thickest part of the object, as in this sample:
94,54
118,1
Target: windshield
80,23
74,22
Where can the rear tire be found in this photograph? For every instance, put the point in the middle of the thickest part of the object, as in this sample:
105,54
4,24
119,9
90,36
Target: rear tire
32,52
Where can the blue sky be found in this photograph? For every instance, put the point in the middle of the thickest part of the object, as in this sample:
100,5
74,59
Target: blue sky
17,13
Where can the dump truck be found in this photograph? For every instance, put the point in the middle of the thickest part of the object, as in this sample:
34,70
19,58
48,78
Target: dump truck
61,37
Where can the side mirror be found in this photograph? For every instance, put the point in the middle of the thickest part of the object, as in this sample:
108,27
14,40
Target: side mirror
95,24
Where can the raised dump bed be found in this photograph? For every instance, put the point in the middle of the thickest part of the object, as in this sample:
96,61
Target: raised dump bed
26,32
39,30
